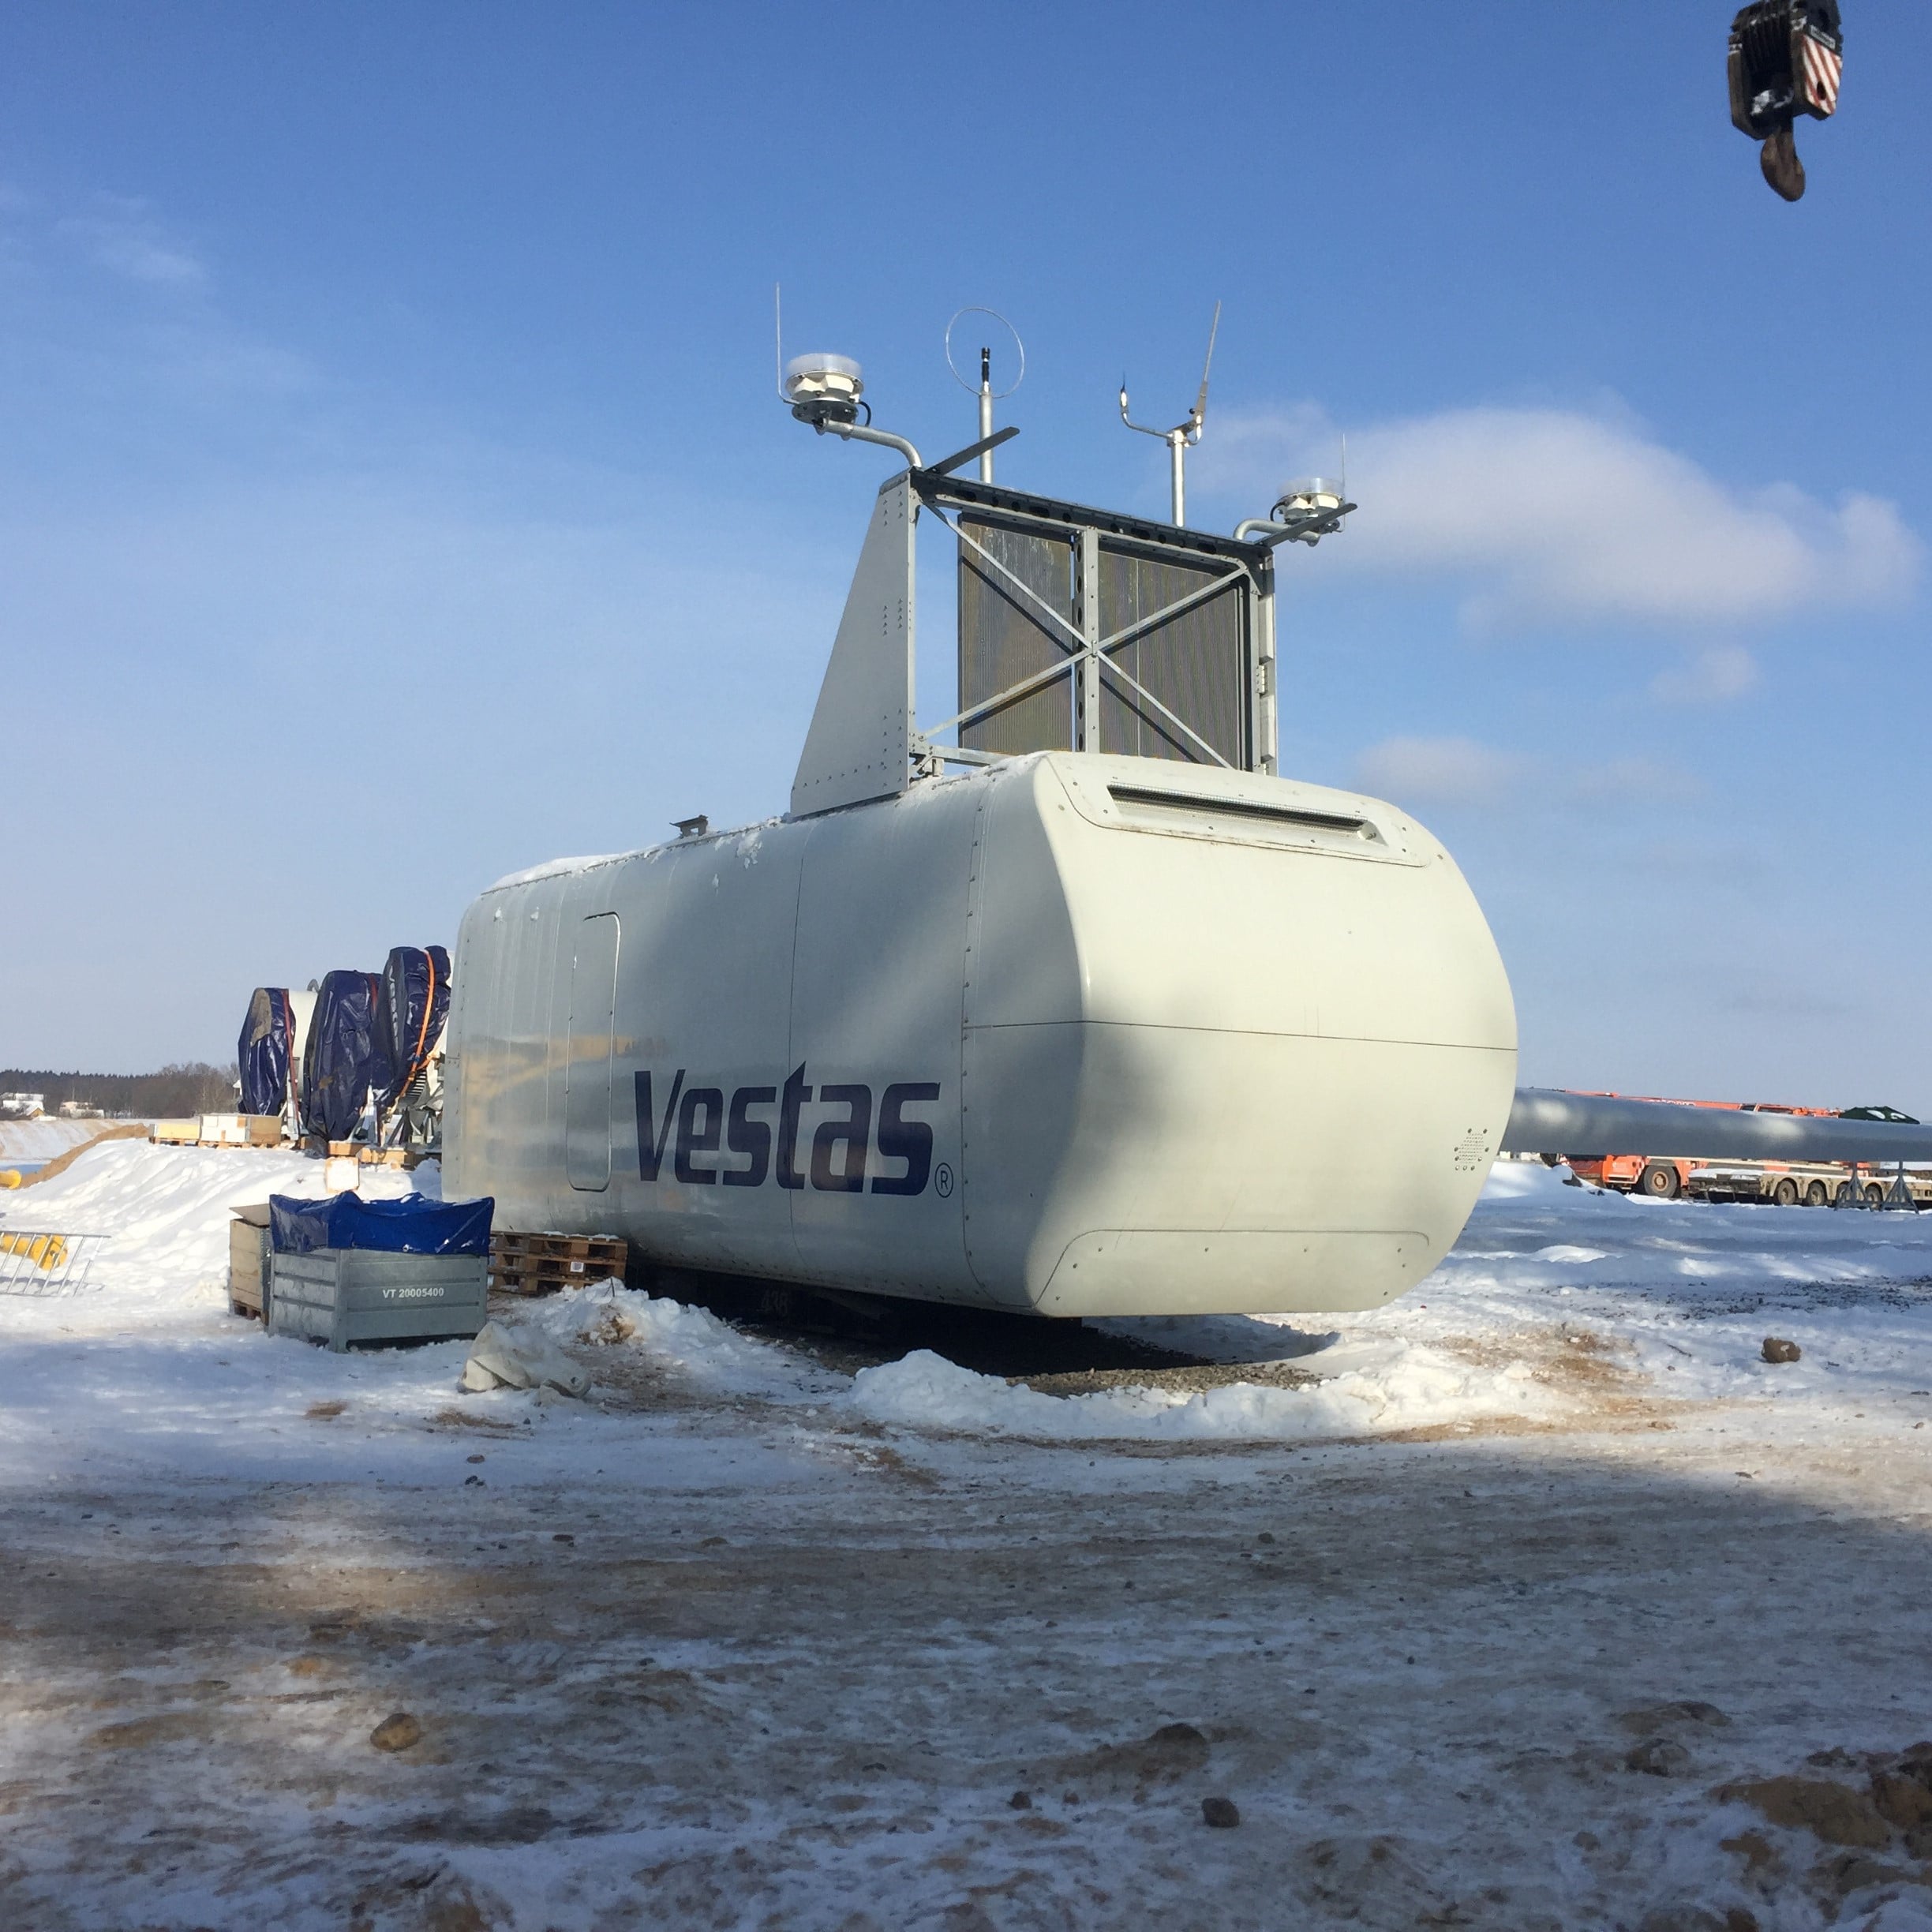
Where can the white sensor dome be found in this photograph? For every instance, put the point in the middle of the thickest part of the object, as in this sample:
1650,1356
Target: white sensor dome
815,378
1311,493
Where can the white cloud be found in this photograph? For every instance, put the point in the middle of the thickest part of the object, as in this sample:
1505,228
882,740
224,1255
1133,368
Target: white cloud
1457,771
124,238
1461,771
1556,516
1715,676
1631,781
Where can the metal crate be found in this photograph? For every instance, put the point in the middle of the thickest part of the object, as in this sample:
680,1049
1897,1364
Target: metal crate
347,1296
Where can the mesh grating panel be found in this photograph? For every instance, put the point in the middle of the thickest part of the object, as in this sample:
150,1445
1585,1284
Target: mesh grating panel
1195,663
1003,636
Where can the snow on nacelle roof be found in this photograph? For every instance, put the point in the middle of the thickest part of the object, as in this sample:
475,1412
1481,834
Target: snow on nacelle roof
746,837
560,868
553,868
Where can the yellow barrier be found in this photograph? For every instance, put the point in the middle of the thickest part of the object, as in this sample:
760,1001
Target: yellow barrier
47,1251
10,1177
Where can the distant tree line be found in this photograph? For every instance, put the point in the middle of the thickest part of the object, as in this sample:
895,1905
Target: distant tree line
193,1086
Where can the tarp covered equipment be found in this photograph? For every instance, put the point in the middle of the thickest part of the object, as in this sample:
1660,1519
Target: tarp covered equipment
414,1225
268,1035
410,1008
341,1063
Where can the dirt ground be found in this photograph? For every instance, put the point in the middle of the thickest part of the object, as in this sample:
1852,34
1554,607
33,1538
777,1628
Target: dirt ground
801,1678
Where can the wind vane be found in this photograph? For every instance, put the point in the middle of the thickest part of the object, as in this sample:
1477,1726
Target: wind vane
1185,432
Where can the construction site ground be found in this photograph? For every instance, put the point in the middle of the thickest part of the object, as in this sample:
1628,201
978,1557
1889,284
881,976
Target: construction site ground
1539,1599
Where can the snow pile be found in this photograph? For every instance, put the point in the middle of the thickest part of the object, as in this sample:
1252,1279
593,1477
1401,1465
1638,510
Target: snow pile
1368,1392
1350,1391
167,1210
691,1342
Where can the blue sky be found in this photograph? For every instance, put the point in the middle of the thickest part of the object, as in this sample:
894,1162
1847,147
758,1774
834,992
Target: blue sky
392,493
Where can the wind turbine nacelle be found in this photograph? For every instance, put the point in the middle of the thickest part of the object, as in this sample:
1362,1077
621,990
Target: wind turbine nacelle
1074,1034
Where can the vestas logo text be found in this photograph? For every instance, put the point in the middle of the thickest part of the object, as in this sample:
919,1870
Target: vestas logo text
697,1124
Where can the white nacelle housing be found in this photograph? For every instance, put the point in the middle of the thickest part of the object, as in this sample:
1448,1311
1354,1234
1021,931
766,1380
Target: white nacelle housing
1075,1034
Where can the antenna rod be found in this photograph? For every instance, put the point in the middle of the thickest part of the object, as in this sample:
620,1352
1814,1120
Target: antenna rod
986,414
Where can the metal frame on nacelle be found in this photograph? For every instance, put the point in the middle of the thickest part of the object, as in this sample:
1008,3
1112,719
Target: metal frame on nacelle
864,742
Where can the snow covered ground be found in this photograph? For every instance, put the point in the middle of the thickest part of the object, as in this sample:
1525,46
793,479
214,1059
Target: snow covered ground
1537,1599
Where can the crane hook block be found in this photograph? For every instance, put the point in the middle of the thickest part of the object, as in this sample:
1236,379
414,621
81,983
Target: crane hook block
1786,59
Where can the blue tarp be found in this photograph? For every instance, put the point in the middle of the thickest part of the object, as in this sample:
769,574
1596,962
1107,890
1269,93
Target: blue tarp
410,1013
263,1054
414,1225
340,1064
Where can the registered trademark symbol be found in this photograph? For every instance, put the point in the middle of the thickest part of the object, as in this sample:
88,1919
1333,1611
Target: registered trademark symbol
943,1180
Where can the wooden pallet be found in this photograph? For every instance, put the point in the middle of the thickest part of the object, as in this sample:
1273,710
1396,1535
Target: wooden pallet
357,1150
534,1264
